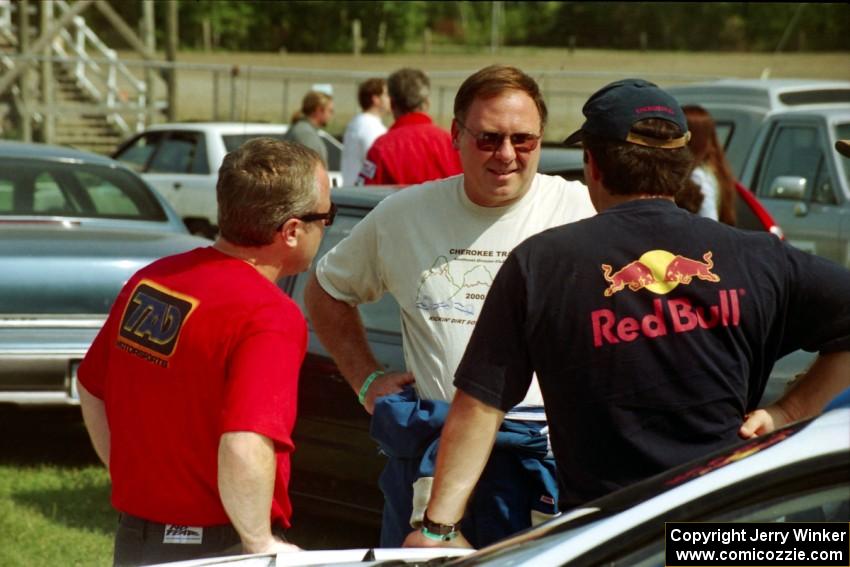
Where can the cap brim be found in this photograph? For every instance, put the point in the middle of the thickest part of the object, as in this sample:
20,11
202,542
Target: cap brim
843,147
573,139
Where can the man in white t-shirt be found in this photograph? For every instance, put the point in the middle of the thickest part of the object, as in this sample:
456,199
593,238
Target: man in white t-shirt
364,128
436,248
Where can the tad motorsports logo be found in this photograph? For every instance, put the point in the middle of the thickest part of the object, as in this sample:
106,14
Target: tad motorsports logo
659,271
153,318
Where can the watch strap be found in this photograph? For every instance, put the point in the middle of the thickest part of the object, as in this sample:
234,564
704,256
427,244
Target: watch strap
444,530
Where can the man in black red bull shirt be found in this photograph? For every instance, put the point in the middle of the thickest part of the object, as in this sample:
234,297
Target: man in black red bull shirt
652,331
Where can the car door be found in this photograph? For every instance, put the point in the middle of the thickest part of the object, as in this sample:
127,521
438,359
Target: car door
180,170
336,461
334,149
737,128
797,183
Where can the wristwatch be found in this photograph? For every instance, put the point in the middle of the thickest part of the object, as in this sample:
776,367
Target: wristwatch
439,532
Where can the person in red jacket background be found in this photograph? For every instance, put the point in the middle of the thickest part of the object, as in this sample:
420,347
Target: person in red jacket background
414,150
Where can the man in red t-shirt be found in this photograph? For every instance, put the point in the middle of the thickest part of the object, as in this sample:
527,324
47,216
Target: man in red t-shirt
189,390
414,150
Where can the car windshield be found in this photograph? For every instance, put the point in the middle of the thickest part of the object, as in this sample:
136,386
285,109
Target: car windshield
233,141
842,132
49,188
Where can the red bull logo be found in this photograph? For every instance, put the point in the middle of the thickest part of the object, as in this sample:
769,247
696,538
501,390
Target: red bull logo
659,271
680,315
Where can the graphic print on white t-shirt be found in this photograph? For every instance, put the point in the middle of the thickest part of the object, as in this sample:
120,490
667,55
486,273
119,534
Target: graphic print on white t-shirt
453,289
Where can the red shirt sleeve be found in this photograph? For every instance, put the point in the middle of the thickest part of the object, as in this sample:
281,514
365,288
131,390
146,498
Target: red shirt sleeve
374,170
262,380
93,368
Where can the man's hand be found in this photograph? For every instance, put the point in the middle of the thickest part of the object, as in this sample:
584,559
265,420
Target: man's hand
274,545
417,539
762,421
805,397
384,385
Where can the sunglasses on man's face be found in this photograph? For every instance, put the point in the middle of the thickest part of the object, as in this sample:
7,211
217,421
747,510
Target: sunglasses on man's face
492,141
328,217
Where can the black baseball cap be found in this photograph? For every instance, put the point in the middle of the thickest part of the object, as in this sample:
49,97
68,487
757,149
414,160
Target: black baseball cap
612,110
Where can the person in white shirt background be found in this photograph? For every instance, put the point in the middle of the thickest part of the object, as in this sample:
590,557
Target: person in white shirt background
365,127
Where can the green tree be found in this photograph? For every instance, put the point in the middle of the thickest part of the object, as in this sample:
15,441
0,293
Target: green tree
389,26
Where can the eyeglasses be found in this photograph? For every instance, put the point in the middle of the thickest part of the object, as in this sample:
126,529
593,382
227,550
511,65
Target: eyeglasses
328,217
492,141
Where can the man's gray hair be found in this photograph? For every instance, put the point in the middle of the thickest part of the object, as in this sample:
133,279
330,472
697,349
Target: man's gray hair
409,90
261,185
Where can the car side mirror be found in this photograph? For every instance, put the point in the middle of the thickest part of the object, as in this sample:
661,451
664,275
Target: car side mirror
788,187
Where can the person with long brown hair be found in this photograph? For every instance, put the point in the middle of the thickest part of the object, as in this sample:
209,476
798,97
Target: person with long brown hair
711,170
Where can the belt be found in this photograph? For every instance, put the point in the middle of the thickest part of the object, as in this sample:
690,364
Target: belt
173,533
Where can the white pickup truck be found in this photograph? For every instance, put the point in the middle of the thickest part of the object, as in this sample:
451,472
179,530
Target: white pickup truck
181,161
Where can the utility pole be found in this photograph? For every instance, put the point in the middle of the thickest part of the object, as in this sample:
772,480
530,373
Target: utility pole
172,41
495,26
150,42
356,37
47,92
24,82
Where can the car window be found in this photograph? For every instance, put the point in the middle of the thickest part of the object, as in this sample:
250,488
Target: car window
724,132
107,198
794,152
6,194
48,197
823,191
842,132
334,155
33,187
382,315
176,153
137,154
829,503
201,163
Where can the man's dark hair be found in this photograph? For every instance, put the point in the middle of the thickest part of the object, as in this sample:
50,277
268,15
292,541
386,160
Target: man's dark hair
262,184
492,81
368,89
632,169
409,90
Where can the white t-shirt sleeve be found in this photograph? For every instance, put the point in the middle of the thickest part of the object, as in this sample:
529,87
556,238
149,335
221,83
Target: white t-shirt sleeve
351,270
371,130
708,185
359,136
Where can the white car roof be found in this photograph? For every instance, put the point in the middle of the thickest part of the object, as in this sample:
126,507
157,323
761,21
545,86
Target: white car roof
222,127
770,94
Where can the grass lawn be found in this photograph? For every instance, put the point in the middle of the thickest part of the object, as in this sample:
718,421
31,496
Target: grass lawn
54,497
54,494
52,515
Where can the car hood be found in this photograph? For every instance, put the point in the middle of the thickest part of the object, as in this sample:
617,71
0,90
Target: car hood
52,269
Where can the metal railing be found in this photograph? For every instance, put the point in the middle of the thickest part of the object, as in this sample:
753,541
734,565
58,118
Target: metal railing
254,93
100,82
6,22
